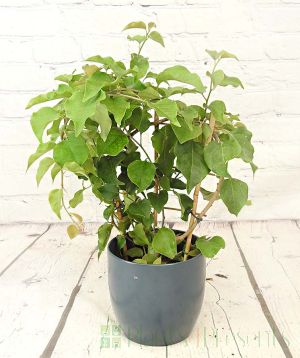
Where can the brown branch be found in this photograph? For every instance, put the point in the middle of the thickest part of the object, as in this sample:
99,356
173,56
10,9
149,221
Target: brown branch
201,215
193,221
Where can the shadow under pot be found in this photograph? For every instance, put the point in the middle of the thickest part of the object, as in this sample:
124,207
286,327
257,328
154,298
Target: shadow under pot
156,305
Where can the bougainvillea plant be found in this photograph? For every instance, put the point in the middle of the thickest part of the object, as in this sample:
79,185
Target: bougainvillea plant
95,129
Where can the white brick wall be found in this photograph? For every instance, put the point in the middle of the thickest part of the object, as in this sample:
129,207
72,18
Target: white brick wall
42,38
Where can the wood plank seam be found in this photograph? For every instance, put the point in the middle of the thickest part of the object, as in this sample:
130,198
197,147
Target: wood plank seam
47,353
24,250
226,316
262,301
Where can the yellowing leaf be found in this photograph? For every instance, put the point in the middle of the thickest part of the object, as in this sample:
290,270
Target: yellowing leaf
72,231
55,200
135,25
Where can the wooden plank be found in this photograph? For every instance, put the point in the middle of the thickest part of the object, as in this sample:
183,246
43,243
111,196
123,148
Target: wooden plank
237,327
272,250
36,289
220,331
15,239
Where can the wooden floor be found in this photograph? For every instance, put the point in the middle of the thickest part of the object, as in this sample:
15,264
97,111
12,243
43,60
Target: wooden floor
54,299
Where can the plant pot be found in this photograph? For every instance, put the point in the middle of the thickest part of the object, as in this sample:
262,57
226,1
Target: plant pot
156,305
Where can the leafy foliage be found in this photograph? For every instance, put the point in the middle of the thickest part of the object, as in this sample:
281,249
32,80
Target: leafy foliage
93,131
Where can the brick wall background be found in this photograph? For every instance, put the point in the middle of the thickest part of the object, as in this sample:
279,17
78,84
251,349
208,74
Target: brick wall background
42,38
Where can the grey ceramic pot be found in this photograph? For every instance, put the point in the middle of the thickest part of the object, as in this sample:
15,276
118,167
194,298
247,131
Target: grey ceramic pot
156,305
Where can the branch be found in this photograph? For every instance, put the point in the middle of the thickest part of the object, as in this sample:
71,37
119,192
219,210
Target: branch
156,185
192,223
201,215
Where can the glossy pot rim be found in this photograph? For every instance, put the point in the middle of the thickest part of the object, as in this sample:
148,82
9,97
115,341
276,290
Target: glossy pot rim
189,261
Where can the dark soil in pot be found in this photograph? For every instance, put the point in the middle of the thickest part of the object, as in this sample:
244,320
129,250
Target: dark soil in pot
156,305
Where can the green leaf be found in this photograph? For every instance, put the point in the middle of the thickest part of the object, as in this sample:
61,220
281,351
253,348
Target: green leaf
79,111
218,109
166,108
213,54
207,194
117,106
140,210
164,242
140,120
55,170
55,200
121,241
62,91
64,78
176,183
41,149
75,168
220,79
231,81
44,165
219,55
40,120
108,192
149,93
156,36
135,252
158,201
114,144
151,25
73,149
104,232
72,231
254,167
102,118
181,74
108,211
77,198
234,194
217,155
135,25
216,77
165,183
141,173
163,140
187,130
243,136
139,65
137,38
95,83
157,261
138,235
186,205
140,261
106,170
190,161
210,247
150,258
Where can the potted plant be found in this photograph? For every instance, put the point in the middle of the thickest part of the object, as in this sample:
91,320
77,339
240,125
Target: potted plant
94,131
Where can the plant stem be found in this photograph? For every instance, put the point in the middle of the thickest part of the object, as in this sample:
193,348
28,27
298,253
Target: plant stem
201,215
156,185
138,144
193,221
120,217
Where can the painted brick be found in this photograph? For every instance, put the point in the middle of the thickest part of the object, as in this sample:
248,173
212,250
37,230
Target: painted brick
41,39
